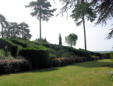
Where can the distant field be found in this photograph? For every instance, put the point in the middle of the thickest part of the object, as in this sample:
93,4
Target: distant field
82,74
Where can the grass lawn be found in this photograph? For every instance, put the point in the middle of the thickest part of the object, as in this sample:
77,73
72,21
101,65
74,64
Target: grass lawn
82,74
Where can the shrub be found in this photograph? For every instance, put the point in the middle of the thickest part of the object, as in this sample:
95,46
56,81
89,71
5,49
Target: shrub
66,61
107,55
13,66
38,58
64,51
95,57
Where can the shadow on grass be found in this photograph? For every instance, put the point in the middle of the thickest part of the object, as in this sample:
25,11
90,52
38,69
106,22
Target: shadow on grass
45,70
36,70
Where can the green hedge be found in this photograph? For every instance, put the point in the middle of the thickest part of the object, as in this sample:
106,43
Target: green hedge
13,66
38,58
7,45
64,51
67,61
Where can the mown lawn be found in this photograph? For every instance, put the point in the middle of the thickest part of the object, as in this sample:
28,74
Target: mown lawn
82,74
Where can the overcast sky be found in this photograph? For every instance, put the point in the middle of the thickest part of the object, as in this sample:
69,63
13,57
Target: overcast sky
15,11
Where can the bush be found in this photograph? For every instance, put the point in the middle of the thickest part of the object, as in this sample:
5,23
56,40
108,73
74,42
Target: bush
95,57
38,58
64,51
107,55
66,61
13,66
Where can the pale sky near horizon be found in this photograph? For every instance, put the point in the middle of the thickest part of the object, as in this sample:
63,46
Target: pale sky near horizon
15,11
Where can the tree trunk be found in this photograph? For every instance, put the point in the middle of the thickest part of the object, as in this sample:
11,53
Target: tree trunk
22,33
40,25
85,43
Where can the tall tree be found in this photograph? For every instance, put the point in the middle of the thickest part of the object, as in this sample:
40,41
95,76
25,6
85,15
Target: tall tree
15,30
25,33
82,11
42,11
71,39
104,8
60,40
3,23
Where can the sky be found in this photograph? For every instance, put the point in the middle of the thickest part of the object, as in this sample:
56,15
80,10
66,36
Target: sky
15,11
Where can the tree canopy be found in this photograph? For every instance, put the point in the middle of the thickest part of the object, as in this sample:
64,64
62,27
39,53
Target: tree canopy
42,10
81,12
71,39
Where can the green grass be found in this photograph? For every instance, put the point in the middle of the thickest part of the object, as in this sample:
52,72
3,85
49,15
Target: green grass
82,74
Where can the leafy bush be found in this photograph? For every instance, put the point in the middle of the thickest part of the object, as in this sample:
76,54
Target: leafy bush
15,65
95,57
107,55
38,58
64,51
66,61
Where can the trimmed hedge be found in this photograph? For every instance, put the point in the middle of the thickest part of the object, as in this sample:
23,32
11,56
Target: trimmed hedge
13,66
38,58
10,46
66,61
65,51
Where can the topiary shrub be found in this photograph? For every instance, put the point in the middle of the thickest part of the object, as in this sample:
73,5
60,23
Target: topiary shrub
38,58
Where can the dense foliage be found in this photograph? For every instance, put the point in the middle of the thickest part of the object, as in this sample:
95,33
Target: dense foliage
15,30
71,39
45,55
60,40
15,65
38,58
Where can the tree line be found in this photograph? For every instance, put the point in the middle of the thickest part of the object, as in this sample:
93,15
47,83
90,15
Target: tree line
13,29
82,10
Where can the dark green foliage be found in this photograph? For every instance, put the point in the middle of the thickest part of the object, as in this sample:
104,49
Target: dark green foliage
107,55
38,58
4,24
45,55
71,39
15,30
41,41
41,8
81,12
60,40
11,47
59,51
16,45
63,51
13,66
